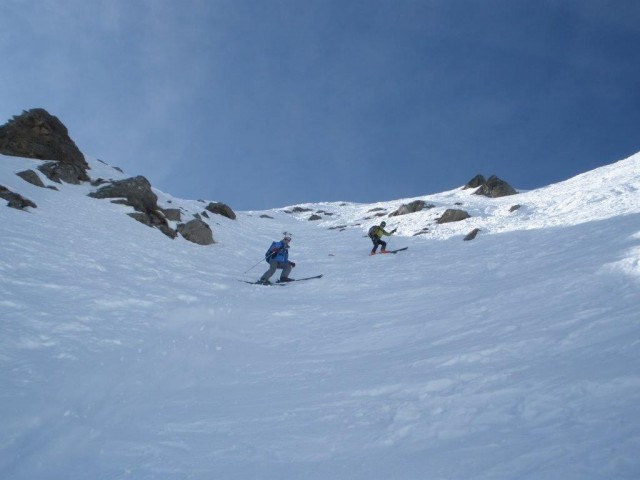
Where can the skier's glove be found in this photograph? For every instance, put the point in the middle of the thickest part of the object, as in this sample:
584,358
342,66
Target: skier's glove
394,230
292,264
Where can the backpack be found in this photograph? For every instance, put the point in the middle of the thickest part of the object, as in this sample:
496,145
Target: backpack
373,230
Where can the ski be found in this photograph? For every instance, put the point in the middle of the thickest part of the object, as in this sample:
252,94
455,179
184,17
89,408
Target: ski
260,283
391,251
300,279
279,283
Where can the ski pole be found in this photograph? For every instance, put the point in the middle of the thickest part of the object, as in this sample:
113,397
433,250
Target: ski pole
254,266
259,262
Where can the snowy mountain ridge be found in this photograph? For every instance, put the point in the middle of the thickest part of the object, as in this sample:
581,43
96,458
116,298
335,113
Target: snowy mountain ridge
591,196
127,355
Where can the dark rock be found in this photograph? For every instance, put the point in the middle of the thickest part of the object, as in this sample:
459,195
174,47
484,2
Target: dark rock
495,187
472,234
136,191
315,217
63,172
31,177
264,215
514,208
154,221
412,207
196,231
38,134
168,231
453,215
221,209
15,200
172,214
298,210
475,182
98,181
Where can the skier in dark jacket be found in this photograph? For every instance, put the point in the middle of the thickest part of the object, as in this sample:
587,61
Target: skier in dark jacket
375,234
278,258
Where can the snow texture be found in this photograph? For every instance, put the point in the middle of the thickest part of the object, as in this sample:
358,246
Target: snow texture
127,355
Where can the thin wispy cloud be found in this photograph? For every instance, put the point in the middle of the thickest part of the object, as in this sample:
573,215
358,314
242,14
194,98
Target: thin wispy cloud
317,100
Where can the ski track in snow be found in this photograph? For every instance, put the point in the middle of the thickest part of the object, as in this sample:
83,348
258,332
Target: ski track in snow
125,354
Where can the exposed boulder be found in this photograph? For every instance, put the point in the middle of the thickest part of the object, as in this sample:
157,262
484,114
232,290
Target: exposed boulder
196,231
154,220
475,182
471,235
63,172
494,187
136,192
314,217
298,210
172,214
15,200
412,207
514,208
453,215
38,134
221,209
31,177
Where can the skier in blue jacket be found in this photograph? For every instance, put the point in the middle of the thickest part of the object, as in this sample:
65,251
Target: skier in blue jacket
278,258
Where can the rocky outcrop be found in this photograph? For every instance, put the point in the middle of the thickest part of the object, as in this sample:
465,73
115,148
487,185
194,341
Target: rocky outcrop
412,207
136,192
62,172
38,134
15,200
471,235
453,215
196,231
298,210
172,214
475,182
494,187
223,209
31,177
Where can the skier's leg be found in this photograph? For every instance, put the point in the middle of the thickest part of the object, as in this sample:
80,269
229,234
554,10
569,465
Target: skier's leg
286,270
273,265
375,241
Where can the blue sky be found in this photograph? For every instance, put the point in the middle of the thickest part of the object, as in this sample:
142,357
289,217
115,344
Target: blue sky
268,103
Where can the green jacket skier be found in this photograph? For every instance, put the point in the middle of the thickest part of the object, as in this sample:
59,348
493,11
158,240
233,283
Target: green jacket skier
376,233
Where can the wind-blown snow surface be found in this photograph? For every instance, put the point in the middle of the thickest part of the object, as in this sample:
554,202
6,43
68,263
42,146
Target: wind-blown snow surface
125,354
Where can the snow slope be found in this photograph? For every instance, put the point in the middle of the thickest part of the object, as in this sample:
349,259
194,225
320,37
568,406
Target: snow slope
127,355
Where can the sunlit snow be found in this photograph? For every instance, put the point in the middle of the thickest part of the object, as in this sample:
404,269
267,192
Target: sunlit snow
127,355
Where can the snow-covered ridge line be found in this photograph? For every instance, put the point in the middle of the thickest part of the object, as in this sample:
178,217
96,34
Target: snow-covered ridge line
608,191
599,194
